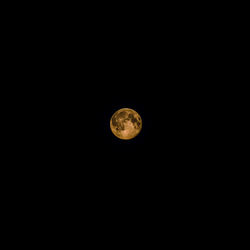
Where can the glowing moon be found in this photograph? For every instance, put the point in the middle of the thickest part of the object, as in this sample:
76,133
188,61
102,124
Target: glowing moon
125,123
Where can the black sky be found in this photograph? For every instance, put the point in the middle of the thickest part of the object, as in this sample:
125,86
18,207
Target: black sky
90,67
80,69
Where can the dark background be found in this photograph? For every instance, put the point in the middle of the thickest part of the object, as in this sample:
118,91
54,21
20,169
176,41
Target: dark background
77,68
85,68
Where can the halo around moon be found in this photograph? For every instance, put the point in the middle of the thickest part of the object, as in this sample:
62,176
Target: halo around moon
126,123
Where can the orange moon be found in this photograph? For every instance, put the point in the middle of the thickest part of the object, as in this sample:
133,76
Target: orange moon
126,123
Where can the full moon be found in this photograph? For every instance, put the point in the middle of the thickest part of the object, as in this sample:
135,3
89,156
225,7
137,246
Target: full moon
125,123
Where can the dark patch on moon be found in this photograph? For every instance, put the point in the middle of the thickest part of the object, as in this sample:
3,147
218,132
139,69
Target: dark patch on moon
117,124
123,114
130,116
133,119
114,122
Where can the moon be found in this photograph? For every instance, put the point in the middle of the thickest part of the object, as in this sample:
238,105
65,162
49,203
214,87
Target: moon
126,123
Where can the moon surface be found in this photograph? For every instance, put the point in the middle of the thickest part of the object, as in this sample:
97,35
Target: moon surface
126,123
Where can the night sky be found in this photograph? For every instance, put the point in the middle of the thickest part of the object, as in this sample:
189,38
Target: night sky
87,68
156,68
